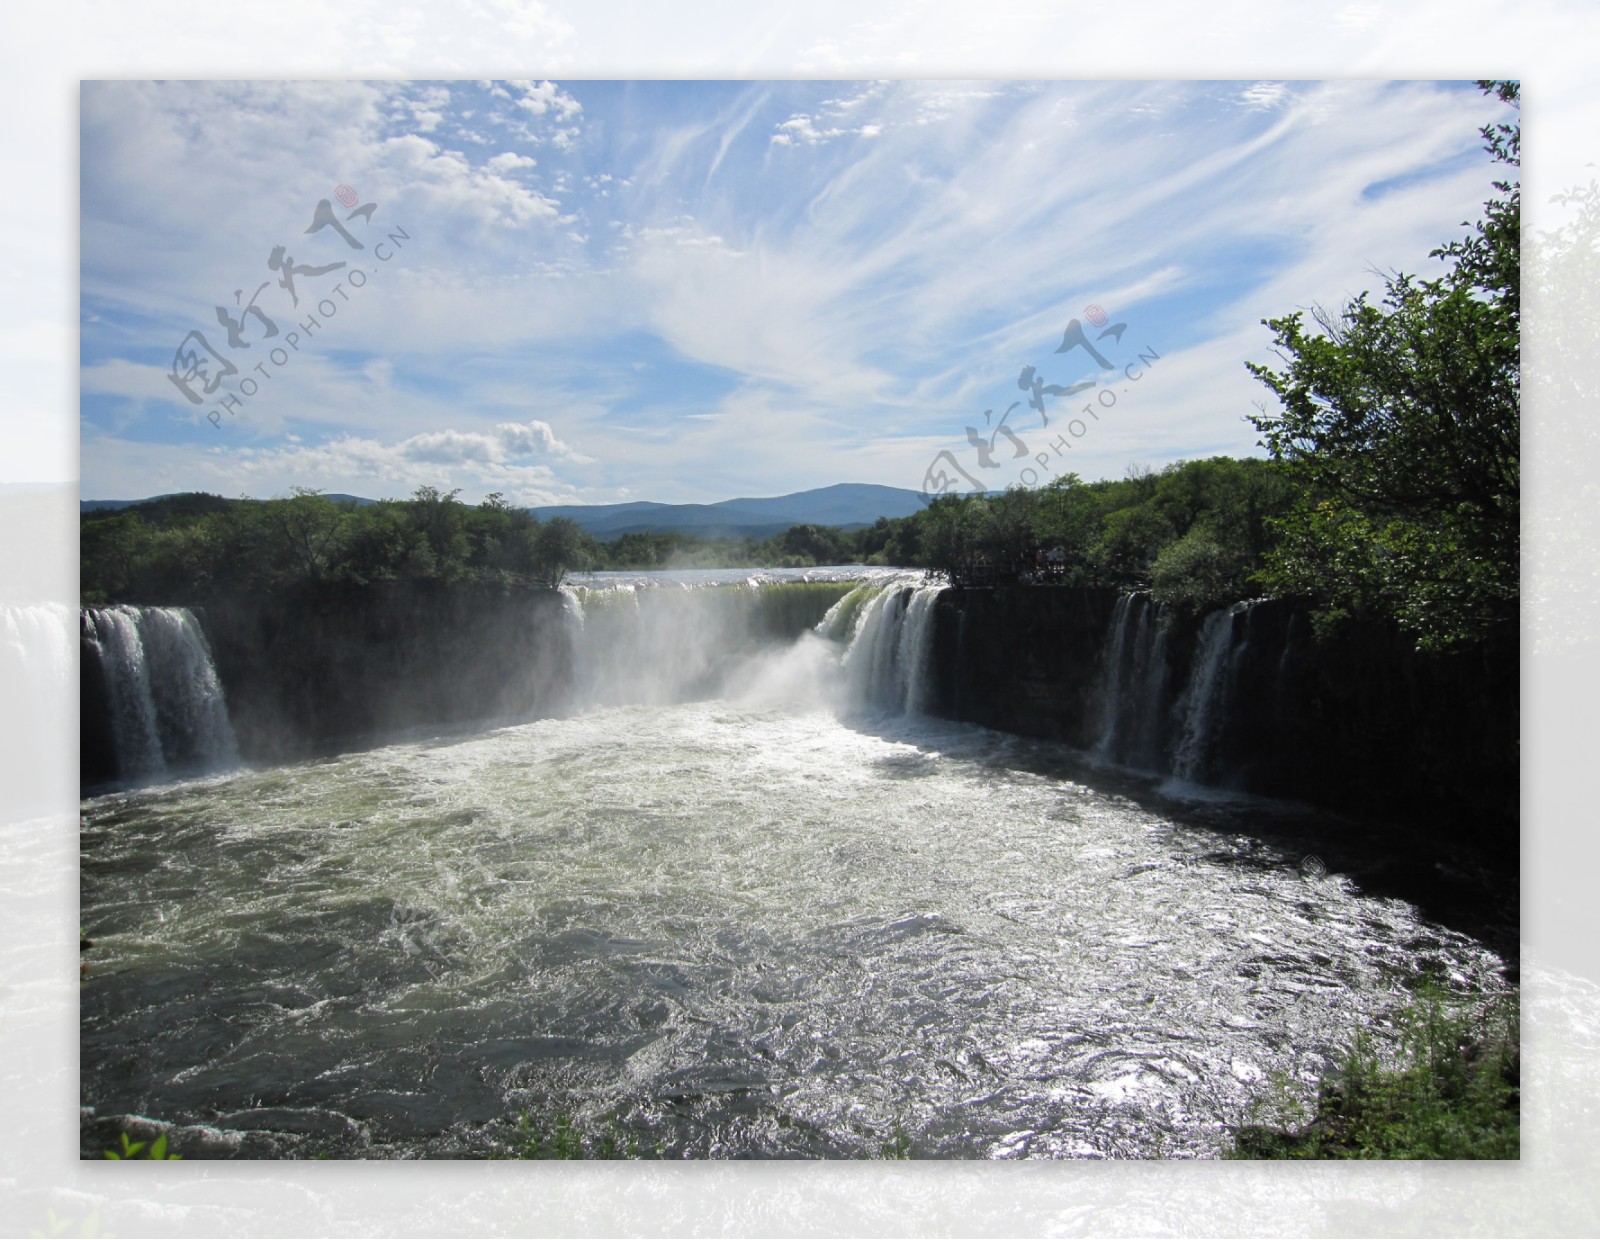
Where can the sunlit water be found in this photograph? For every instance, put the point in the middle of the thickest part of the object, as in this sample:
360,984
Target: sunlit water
760,926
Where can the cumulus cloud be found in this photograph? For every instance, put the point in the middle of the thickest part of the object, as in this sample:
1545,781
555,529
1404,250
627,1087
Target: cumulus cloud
517,458
507,442
449,178
538,98
510,161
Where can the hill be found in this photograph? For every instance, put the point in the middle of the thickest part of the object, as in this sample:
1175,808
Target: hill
848,505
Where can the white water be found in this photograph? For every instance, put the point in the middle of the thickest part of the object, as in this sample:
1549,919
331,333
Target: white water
791,919
1206,702
167,705
888,663
1134,687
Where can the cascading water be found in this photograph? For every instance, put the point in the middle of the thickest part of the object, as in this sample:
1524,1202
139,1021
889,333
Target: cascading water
1111,706
168,713
1134,686
888,661
664,644
1204,708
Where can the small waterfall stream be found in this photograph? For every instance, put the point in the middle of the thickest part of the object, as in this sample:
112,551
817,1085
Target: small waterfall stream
1204,707
1143,726
167,711
888,659
1134,686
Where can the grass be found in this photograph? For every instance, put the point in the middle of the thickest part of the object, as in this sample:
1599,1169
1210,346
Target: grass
1455,1093
564,1141
133,1151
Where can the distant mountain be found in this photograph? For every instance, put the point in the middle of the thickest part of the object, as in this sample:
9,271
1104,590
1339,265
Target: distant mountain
111,505
98,505
847,504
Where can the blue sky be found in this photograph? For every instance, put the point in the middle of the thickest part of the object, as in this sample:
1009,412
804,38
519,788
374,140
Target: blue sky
687,291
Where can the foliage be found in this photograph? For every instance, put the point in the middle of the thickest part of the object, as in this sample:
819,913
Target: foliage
1111,533
564,1142
132,1151
559,547
897,1147
1196,573
1456,1093
175,553
1210,519
1402,421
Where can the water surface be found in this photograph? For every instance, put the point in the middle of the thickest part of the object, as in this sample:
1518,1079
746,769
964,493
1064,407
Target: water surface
769,924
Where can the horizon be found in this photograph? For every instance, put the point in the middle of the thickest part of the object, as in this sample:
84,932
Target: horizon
606,292
88,499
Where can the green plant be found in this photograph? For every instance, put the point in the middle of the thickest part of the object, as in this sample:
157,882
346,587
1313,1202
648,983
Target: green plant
131,1151
565,1142
896,1146
1455,1092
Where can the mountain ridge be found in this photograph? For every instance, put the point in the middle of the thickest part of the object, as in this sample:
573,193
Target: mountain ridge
847,505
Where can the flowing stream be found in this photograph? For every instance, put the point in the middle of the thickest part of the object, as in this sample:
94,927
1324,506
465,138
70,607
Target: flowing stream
777,913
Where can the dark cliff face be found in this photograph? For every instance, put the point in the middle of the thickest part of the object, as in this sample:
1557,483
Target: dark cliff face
311,674
1024,660
1361,722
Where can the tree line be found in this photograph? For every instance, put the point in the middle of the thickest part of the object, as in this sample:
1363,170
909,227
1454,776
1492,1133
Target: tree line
1197,532
193,547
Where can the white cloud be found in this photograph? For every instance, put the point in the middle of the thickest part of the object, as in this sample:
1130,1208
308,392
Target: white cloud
1263,94
447,180
518,459
509,441
539,98
510,161
874,291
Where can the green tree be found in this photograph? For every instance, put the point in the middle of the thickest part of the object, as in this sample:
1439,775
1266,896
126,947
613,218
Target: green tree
1197,573
1005,529
561,546
1129,542
948,533
114,551
441,548
805,545
309,532
1402,419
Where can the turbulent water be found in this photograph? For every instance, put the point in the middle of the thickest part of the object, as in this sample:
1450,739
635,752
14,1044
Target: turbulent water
780,914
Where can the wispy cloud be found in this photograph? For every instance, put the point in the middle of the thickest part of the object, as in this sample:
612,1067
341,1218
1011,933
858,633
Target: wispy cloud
757,286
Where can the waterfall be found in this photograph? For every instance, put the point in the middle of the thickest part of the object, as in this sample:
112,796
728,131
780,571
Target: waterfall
839,623
165,702
1133,685
658,645
1111,682
1206,701
888,662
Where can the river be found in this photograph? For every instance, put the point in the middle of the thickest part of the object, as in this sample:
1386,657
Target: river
771,913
